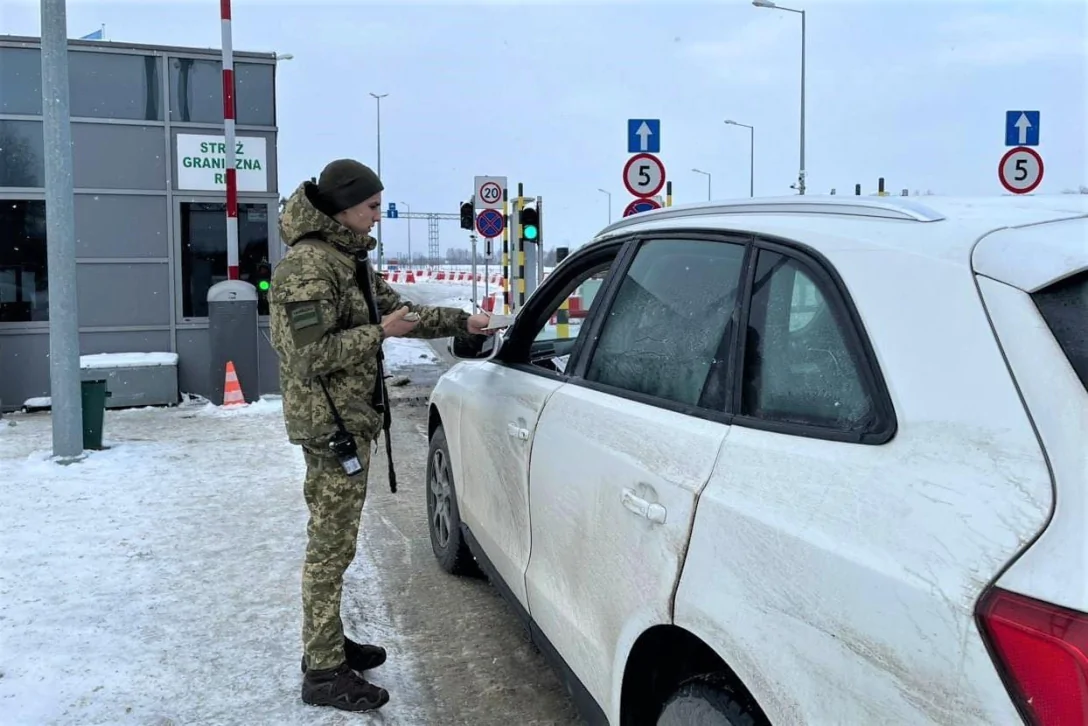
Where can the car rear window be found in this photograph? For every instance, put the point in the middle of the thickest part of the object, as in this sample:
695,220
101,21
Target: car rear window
1064,306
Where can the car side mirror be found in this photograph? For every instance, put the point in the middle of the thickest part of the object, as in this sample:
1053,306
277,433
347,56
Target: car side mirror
476,347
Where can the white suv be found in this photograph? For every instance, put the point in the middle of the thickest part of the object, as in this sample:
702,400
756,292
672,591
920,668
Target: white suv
804,461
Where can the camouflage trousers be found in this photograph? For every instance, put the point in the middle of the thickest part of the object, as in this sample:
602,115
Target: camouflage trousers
335,501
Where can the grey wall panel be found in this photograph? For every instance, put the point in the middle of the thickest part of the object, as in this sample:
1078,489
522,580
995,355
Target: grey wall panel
118,225
269,362
24,368
24,359
120,294
125,341
193,362
195,376
97,150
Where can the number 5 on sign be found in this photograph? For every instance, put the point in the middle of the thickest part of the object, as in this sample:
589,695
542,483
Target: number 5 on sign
1020,170
644,175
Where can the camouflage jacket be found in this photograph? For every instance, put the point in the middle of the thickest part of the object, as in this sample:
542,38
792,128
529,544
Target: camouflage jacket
321,326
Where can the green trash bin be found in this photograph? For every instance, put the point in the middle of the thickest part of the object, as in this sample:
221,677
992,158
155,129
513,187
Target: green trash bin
94,395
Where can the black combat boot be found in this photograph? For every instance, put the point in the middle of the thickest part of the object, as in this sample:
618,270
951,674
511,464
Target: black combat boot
342,688
360,656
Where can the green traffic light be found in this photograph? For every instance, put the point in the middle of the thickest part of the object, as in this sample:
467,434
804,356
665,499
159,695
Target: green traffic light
263,285
530,231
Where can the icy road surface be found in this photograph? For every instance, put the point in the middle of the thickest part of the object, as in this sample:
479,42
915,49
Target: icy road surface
157,583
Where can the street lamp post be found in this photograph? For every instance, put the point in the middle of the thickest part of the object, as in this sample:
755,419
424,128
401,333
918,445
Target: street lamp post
609,194
800,186
378,98
406,206
751,156
707,174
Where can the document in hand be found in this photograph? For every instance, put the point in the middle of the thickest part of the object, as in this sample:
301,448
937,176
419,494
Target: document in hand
498,322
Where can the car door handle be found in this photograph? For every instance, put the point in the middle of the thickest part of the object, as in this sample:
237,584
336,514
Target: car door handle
517,432
653,512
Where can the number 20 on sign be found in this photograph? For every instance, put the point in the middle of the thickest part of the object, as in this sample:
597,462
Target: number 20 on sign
644,175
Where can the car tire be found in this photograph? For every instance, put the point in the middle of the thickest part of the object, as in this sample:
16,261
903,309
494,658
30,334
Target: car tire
443,517
699,701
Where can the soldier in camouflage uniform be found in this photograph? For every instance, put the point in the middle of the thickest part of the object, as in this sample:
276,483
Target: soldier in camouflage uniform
323,331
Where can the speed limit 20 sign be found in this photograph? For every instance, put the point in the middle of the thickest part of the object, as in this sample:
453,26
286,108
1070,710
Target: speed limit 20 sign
489,191
1020,170
644,175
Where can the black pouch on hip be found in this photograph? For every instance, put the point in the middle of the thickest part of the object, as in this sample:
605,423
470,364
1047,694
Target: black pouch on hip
342,443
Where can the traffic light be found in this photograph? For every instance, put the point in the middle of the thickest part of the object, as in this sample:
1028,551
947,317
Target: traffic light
530,224
466,215
263,278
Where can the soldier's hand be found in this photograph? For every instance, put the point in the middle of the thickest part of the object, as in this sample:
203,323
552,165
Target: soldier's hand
395,326
477,324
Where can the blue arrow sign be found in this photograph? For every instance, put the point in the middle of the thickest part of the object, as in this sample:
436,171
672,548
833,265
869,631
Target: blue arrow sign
392,212
643,135
1021,128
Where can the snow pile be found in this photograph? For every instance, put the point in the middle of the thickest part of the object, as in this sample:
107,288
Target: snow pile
157,582
127,360
266,405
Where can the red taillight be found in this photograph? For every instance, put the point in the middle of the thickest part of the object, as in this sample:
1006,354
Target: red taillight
1043,651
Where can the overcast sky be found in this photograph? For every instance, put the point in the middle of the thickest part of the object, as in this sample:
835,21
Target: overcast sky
913,91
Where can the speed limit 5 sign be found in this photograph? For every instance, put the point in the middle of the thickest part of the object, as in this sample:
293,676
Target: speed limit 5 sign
1020,170
644,175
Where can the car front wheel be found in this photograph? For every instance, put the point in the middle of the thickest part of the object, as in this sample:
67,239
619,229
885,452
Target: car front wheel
443,517
700,702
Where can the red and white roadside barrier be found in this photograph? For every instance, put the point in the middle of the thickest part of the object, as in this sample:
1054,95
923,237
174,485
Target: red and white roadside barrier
443,276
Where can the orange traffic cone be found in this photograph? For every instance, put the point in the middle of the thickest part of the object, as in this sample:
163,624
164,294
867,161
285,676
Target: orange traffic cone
232,390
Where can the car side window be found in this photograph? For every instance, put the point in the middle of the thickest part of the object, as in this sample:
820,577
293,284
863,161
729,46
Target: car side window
667,333
548,330
798,367
566,320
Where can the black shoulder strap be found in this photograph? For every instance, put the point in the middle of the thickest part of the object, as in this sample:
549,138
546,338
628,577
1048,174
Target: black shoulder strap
380,398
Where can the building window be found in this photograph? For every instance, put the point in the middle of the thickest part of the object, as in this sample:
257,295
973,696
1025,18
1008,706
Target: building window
204,252
112,85
101,85
21,81
24,285
22,154
196,92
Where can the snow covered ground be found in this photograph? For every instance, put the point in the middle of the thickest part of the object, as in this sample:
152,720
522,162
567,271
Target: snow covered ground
157,582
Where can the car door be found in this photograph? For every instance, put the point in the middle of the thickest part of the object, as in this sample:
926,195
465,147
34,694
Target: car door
499,410
622,452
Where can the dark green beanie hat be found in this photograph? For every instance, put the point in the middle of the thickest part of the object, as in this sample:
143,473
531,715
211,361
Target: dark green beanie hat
345,183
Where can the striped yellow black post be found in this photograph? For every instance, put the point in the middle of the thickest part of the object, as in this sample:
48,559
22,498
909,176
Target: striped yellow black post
506,257
521,253
562,320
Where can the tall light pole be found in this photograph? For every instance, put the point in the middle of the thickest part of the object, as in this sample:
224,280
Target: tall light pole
751,156
707,174
64,378
609,195
800,186
406,206
381,250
